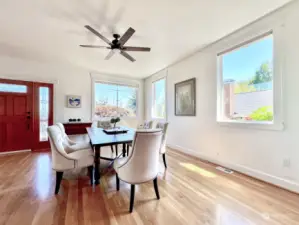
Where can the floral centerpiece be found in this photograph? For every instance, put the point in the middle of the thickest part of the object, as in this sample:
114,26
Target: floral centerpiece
114,121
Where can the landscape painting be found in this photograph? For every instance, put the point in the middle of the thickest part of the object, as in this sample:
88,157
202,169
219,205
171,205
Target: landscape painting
185,98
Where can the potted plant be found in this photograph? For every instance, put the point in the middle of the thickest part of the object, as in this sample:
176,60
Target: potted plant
114,121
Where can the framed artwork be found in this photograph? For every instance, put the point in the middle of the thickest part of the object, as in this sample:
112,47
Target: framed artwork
185,98
73,101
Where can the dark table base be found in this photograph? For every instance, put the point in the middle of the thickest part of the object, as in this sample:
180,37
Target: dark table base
97,149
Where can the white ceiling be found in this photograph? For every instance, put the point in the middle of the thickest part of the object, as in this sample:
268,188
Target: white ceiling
51,30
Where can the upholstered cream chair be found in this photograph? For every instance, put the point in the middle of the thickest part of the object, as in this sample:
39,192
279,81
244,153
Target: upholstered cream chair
163,126
63,161
143,163
141,126
154,124
70,145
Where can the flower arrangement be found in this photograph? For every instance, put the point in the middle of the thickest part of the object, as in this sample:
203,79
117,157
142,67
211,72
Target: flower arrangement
114,121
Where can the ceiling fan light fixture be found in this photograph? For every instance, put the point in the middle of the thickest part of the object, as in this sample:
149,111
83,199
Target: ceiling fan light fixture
116,50
117,45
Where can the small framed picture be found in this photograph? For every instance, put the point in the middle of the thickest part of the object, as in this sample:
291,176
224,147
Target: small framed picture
73,101
185,98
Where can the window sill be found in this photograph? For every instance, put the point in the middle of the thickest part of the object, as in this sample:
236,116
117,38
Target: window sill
278,126
121,118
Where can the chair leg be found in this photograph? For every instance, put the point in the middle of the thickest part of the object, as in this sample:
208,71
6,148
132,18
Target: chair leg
164,160
132,197
156,188
90,173
117,182
58,181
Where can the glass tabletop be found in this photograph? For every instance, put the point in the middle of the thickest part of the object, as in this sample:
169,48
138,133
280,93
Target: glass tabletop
99,138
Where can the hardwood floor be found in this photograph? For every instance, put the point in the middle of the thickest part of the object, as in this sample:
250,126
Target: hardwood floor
191,191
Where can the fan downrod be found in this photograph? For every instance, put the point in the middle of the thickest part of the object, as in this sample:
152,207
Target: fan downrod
115,41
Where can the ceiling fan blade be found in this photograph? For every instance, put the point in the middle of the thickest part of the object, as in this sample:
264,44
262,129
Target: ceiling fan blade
110,54
126,36
94,46
127,56
137,49
98,34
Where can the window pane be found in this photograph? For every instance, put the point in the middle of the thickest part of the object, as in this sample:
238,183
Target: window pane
115,100
43,113
159,99
16,88
248,82
127,101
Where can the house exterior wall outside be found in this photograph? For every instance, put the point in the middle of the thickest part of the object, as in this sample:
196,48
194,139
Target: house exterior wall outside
246,103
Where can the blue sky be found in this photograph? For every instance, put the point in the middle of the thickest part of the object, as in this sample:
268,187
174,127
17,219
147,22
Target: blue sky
108,92
241,64
160,90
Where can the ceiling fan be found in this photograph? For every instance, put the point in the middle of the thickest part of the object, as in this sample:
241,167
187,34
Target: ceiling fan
117,44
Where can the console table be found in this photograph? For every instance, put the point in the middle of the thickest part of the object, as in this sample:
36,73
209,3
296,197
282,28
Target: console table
76,127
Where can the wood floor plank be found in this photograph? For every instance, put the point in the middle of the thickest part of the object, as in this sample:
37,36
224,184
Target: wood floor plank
192,192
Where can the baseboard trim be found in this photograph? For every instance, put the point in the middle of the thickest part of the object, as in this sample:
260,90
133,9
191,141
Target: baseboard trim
41,150
277,181
15,152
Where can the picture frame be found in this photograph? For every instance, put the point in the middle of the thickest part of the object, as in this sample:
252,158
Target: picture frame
73,101
185,98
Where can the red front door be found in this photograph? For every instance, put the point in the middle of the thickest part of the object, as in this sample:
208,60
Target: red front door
16,131
26,110
43,114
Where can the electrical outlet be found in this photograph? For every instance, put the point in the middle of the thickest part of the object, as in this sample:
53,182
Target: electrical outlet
287,162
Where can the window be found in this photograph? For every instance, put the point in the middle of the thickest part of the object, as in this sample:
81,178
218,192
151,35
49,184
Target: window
15,88
246,82
115,100
158,104
44,102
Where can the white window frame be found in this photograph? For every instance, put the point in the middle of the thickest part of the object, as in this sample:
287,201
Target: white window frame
153,98
278,61
133,85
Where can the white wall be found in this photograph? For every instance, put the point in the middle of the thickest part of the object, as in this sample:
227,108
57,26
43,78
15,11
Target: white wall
259,153
68,80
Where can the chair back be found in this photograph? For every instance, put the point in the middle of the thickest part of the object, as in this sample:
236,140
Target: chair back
144,125
163,126
104,124
61,127
143,163
59,156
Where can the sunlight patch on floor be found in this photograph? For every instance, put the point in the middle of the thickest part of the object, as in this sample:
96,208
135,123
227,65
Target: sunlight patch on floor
43,178
199,170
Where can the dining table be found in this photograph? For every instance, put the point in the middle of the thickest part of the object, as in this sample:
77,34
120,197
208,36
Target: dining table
99,139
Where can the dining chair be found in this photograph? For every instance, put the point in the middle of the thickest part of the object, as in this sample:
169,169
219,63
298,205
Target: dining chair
154,124
144,125
63,161
143,163
70,145
163,126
